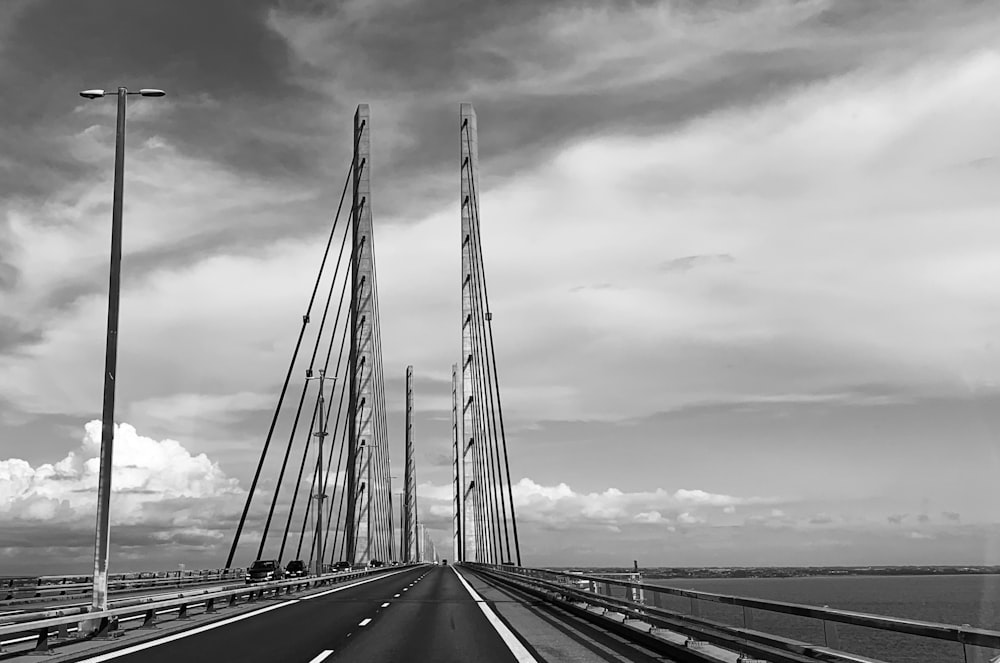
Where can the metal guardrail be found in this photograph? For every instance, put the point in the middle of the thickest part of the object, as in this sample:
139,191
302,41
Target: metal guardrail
41,624
11,590
829,617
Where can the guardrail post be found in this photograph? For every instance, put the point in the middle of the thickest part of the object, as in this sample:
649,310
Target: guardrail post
210,606
108,629
830,634
695,607
42,646
149,620
747,618
183,612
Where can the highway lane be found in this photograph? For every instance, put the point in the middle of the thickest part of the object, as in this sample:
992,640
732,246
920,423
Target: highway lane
420,614
437,619
281,630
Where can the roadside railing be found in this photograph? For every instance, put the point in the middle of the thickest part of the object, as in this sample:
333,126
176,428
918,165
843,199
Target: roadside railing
45,626
646,602
21,589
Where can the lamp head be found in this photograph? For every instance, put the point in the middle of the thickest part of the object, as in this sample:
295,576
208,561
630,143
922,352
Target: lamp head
92,94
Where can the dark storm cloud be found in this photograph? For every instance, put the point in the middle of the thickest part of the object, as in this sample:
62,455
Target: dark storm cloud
195,50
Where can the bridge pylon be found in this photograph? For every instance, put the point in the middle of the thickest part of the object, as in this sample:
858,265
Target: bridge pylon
469,453
361,480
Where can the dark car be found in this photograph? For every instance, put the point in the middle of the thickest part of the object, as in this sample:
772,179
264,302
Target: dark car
376,563
341,566
295,569
264,570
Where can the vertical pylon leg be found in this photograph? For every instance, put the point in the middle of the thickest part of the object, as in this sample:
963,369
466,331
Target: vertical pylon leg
456,442
469,171
360,491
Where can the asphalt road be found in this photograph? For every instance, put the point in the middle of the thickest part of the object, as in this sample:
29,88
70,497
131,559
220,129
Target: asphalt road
420,614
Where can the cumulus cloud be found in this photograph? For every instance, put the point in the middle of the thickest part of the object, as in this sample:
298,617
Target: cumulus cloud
146,473
561,506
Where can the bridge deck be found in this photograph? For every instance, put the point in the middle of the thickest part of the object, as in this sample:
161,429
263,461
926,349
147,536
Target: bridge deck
426,613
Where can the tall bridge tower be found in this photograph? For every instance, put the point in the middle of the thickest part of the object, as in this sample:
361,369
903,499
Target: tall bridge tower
362,398
469,451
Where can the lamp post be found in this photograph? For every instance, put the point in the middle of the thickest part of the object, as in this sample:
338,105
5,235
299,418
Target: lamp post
103,541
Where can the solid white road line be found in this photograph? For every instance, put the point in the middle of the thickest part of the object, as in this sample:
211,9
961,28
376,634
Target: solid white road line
365,622
513,644
232,620
322,656
185,634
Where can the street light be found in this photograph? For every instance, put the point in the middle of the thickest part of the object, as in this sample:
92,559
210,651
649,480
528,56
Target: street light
103,541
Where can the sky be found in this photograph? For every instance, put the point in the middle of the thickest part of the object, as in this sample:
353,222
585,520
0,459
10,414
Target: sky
742,260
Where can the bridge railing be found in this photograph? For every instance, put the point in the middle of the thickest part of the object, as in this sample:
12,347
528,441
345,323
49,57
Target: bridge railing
23,589
41,627
645,600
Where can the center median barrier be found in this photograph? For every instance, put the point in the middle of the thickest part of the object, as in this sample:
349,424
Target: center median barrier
41,625
48,589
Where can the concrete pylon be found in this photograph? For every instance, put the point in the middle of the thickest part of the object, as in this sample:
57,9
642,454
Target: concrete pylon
456,446
362,360
469,203
409,479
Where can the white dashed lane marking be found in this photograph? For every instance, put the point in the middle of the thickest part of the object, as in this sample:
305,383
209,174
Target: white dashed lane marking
385,605
322,656
365,622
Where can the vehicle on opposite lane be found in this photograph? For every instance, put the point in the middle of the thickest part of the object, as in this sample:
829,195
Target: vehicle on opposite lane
264,570
296,569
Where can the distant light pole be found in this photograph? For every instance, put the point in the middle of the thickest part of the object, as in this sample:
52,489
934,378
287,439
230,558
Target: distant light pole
100,597
321,484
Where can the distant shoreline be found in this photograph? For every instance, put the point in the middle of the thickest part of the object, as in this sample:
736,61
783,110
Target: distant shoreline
675,573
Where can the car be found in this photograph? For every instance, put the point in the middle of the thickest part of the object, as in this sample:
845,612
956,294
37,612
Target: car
296,569
376,563
444,562
341,566
264,570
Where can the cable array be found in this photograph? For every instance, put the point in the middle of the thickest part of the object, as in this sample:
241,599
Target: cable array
328,500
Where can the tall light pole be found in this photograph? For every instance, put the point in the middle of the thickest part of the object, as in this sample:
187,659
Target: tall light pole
103,541
321,483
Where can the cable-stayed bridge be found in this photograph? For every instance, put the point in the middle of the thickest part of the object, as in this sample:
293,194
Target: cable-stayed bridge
370,585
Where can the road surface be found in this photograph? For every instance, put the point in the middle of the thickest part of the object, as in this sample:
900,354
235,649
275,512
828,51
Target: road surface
420,614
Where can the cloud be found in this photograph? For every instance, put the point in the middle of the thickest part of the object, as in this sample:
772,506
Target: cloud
649,517
562,506
952,516
897,518
146,473
688,263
